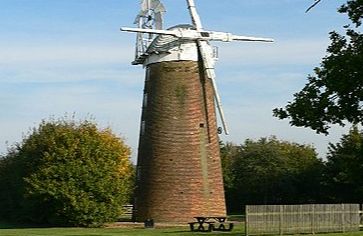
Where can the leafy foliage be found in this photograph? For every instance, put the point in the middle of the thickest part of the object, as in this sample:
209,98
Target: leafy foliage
229,154
270,171
66,173
335,93
354,9
345,168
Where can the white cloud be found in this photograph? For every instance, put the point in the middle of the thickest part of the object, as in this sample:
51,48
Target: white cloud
291,51
118,109
254,120
282,52
127,75
65,54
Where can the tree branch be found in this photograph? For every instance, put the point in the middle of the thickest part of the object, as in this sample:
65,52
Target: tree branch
312,6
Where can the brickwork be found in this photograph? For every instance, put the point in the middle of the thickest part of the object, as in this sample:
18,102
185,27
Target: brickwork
179,172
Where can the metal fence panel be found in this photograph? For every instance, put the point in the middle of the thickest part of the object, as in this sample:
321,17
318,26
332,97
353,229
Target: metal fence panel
297,219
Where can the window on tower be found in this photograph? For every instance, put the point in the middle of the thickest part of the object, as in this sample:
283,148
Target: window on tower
147,75
144,103
143,127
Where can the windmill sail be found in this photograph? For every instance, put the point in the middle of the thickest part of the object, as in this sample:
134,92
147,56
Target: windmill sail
152,10
208,64
150,17
159,20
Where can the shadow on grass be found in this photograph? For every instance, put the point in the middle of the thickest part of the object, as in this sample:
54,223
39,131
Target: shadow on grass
179,232
12,225
176,231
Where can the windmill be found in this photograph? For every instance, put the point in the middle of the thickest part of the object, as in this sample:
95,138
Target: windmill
179,172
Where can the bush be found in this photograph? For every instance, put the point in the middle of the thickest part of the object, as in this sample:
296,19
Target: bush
66,173
270,171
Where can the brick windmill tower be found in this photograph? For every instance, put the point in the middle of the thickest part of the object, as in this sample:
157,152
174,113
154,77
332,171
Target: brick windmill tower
179,172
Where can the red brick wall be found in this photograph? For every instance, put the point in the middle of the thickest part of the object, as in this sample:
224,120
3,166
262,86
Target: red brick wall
179,169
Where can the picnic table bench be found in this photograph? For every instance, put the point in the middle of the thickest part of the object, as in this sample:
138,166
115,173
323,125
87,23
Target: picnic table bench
211,223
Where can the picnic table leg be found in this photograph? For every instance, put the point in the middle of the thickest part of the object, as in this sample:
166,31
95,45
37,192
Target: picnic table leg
210,227
201,227
222,227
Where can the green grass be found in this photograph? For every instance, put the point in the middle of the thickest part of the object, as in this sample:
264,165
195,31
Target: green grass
13,230
18,230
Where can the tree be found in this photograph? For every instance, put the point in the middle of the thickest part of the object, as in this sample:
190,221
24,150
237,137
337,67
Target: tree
229,154
270,171
345,168
66,173
335,93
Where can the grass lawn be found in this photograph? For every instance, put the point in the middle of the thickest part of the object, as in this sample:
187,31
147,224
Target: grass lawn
12,230
16,230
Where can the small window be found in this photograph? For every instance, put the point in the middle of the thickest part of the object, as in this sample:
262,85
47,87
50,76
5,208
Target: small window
138,174
147,75
144,103
143,123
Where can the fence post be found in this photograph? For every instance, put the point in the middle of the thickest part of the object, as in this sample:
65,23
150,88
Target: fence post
246,220
281,220
343,217
313,219
360,215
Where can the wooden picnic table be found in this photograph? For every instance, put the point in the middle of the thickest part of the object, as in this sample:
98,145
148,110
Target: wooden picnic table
208,224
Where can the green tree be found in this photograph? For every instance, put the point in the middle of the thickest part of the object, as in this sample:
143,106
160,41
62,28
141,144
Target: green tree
335,93
229,153
270,171
66,173
345,168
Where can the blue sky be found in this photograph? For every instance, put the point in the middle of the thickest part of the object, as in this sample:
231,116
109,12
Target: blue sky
69,56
